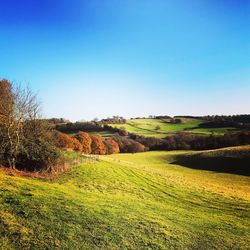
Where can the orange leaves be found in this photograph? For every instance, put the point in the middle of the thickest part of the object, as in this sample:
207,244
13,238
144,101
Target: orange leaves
62,140
112,146
98,147
85,140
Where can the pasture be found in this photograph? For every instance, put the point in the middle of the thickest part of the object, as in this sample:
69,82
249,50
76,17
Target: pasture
161,128
126,201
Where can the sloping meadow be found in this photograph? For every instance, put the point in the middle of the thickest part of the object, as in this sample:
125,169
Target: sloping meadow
126,201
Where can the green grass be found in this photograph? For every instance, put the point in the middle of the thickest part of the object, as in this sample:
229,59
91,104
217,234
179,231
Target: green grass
104,134
147,127
126,201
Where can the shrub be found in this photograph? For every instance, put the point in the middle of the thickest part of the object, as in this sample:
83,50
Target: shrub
128,145
112,146
76,145
97,145
85,141
41,155
62,140
123,132
23,135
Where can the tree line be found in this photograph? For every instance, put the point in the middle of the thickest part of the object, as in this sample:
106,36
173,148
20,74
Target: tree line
85,143
186,141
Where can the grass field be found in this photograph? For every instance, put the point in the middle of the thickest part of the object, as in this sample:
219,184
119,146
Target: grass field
104,134
147,127
126,201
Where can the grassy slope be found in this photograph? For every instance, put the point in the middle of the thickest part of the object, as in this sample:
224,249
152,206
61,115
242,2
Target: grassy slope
147,127
234,160
126,201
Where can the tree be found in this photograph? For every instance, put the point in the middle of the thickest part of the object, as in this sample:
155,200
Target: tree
76,145
21,129
112,146
97,145
61,140
123,132
6,100
85,141
127,145
19,105
135,147
38,150
64,141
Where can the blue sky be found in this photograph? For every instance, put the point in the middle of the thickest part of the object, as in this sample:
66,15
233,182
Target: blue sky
101,58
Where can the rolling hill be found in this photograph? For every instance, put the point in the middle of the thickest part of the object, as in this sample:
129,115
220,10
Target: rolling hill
126,201
162,127
229,160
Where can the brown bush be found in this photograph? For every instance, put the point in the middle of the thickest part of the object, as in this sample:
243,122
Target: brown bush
123,132
76,145
127,145
85,141
97,145
62,140
112,146
135,147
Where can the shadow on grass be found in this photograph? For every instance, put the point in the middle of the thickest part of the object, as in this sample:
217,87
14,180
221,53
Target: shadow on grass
240,166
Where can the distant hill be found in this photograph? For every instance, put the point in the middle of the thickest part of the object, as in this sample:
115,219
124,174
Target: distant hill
161,128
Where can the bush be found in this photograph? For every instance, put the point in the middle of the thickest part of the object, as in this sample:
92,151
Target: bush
41,155
85,141
127,145
97,145
76,145
112,146
123,132
62,140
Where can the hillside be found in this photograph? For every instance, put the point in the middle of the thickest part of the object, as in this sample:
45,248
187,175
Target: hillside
147,127
229,160
126,201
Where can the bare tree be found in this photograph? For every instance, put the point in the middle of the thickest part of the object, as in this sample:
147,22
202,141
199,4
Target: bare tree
17,106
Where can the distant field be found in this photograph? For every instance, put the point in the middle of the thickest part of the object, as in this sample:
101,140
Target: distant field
147,127
127,201
104,134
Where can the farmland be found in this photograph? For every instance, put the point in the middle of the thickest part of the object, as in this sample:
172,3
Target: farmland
161,128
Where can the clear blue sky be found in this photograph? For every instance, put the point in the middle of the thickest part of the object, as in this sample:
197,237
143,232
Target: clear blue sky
101,58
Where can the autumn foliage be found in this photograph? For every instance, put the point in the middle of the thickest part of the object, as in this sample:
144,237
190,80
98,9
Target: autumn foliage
112,146
62,140
76,145
128,145
85,140
97,146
